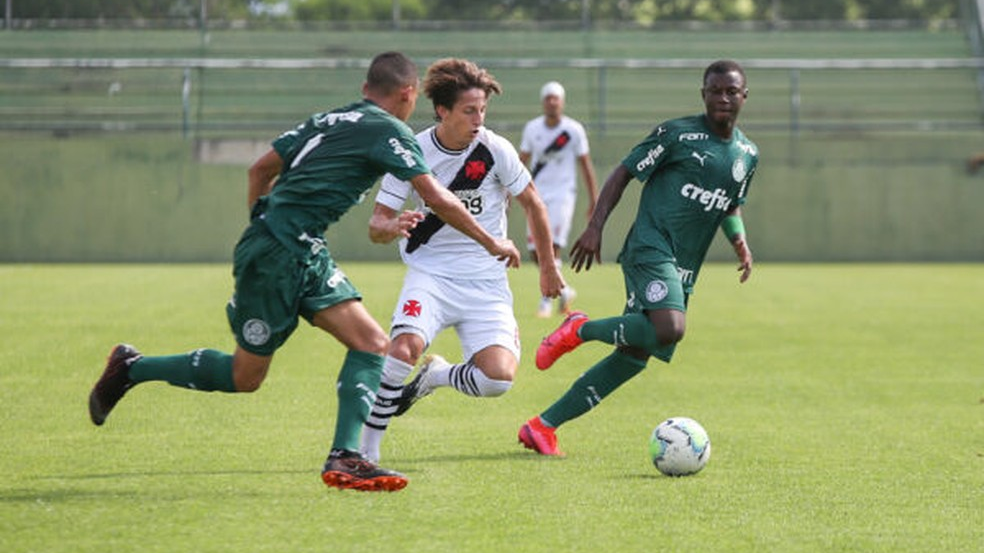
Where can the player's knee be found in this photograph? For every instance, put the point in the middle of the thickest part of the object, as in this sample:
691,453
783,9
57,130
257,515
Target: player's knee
493,370
406,348
249,371
248,382
248,387
375,342
669,334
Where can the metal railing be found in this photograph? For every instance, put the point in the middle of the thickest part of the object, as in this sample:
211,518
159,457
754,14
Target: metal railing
94,116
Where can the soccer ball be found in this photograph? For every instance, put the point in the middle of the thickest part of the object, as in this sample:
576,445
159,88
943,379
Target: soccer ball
679,447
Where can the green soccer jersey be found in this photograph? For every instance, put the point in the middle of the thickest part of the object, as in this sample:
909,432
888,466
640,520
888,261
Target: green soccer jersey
692,179
330,162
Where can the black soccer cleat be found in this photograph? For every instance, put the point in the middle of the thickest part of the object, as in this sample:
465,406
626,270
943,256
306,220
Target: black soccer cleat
113,383
349,470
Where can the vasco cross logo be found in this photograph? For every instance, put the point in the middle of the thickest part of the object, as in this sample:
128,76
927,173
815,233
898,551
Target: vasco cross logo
412,308
475,170
256,332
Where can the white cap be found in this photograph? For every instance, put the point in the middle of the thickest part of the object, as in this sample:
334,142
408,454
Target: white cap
553,88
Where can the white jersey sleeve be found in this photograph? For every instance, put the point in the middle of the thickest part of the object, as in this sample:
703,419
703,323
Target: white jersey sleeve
512,173
393,192
580,138
526,143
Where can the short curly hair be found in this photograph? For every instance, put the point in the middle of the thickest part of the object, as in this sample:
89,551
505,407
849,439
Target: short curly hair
449,77
725,66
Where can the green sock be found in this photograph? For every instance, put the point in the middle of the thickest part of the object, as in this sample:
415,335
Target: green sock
206,370
626,330
358,382
592,387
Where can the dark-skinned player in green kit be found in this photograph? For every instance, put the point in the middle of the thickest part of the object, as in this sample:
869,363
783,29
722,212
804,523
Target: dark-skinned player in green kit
696,172
283,270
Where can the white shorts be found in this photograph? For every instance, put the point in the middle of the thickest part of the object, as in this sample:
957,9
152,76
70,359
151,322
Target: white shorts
560,211
481,311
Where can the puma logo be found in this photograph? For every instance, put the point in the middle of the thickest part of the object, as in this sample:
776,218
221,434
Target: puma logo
700,158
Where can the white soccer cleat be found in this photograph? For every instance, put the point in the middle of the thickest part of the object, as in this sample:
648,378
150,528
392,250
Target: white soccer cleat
567,296
419,387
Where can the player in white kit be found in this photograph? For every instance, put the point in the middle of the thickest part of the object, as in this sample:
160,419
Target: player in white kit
552,145
451,280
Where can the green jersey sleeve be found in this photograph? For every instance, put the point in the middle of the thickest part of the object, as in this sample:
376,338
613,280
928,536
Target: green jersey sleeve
650,154
290,143
400,155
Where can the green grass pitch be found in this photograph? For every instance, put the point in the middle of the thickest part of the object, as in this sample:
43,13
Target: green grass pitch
844,404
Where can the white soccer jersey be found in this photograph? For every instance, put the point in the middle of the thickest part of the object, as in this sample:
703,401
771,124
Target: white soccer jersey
553,155
483,176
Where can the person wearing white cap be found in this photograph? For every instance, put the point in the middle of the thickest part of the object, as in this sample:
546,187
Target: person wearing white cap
552,145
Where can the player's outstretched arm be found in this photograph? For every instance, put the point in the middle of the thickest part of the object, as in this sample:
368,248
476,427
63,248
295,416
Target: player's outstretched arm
587,249
587,172
262,174
551,281
734,229
387,225
744,259
447,206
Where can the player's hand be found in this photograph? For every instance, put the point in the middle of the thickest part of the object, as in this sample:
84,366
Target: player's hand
406,222
586,250
551,281
504,250
385,225
744,258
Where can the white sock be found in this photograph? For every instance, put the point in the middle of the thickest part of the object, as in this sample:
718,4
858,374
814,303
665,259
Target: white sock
390,387
468,379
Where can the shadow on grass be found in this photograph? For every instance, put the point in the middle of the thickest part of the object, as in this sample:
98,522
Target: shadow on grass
657,477
174,473
25,495
62,488
643,477
501,456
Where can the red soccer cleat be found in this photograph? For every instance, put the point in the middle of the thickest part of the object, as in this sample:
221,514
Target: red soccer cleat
560,341
541,439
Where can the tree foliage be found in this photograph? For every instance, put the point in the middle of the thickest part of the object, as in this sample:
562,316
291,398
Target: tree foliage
643,11
356,10
125,9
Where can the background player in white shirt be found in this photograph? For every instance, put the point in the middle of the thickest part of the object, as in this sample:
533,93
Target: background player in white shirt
451,280
552,145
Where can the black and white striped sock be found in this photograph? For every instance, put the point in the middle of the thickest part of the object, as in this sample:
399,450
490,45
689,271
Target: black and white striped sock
468,379
390,387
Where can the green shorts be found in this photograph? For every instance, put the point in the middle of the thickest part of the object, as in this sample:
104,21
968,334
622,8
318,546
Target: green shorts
274,286
654,286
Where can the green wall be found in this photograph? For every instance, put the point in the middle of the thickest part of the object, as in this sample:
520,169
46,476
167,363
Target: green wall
884,197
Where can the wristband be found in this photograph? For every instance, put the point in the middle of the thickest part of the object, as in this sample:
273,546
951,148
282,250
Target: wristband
732,226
